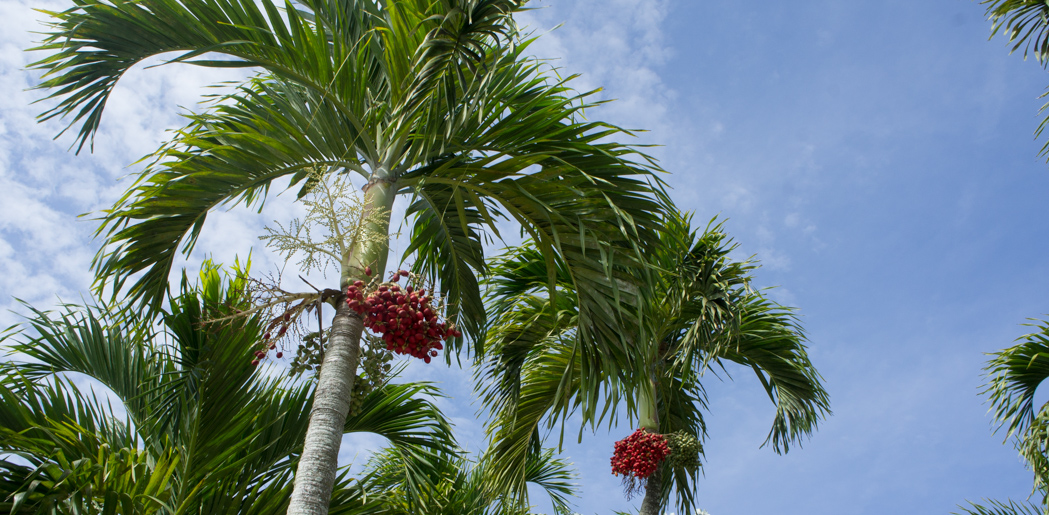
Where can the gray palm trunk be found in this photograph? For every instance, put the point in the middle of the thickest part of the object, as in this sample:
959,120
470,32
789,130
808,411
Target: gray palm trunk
650,505
648,407
318,466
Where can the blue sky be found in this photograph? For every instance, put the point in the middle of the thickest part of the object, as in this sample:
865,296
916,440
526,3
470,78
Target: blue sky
878,157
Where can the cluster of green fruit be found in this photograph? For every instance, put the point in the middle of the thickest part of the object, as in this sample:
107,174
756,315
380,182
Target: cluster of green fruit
374,368
310,353
685,450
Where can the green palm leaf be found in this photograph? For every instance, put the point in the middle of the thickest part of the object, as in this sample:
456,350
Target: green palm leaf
993,507
1013,377
97,41
772,343
1024,22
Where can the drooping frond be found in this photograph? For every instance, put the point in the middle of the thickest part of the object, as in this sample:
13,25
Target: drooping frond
93,44
520,154
230,154
401,414
554,476
1013,376
548,385
682,402
1024,23
91,341
771,342
449,484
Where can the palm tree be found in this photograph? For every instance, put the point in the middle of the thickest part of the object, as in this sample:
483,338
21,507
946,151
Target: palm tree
204,432
700,313
1013,376
432,99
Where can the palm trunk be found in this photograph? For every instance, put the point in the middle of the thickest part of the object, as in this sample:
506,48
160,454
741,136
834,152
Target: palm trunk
651,504
318,466
649,419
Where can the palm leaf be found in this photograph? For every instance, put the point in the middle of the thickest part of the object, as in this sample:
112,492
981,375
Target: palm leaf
230,154
771,342
514,428
994,507
97,41
1023,22
92,342
1013,376
397,412
554,476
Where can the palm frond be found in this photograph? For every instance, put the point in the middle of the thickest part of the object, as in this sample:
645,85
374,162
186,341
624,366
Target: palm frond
29,410
1026,24
565,211
1013,376
772,343
549,385
554,476
447,245
400,414
121,480
1023,22
698,315
91,341
230,154
995,507
681,405
516,153
94,43
79,457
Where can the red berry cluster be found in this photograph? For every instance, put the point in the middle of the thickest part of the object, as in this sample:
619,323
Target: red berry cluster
639,454
281,324
403,317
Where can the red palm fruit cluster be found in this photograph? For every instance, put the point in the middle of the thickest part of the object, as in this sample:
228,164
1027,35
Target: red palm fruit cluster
404,317
281,325
639,454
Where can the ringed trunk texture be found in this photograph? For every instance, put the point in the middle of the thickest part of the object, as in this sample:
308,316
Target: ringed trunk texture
650,505
648,418
319,464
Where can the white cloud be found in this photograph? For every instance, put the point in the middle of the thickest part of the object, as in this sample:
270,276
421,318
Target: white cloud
774,259
617,45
